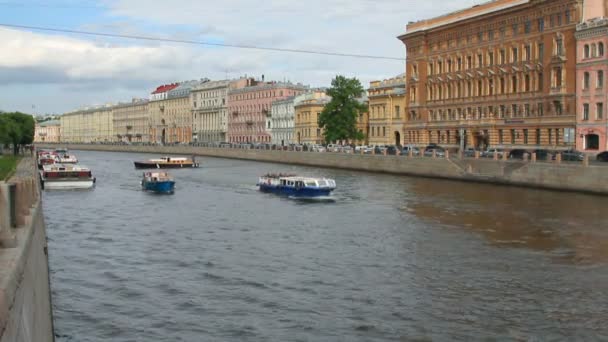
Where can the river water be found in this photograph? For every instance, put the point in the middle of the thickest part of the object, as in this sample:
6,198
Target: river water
391,259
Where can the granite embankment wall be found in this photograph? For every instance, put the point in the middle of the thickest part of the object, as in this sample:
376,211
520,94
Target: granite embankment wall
25,302
547,175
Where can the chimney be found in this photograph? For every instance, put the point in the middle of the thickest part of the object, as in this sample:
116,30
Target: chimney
262,77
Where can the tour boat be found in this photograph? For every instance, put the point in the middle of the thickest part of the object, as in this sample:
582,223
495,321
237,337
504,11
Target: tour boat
60,176
67,159
160,182
46,158
166,163
295,186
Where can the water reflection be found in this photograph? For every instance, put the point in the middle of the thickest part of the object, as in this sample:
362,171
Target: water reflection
570,226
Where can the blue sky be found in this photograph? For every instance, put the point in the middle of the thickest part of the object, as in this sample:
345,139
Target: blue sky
58,72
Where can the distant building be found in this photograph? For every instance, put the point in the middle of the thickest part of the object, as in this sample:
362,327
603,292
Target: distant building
249,105
131,121
94,124
48,131
592,68
386,111
308,108
209,103
281,123
171,113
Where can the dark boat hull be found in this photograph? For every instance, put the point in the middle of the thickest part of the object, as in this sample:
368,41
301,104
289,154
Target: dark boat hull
164,187
150,165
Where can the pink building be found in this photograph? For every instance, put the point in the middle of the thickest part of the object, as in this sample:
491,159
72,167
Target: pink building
48,131
591,89
249,103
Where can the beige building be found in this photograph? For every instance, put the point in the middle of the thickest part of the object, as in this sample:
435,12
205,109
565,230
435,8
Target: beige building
48,131
131,121
171,113
386,111
88,125
209,111
308,108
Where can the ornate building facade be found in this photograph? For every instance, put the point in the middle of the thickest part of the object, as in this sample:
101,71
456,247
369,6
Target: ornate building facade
308,108
131,121
249,107
499,74
386,111
210,111
592,66
281,123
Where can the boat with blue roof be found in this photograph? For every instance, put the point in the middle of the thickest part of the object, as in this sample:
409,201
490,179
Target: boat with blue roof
296,186
159,182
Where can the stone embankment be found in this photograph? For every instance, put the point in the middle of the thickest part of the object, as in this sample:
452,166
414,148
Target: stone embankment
25,302
556,175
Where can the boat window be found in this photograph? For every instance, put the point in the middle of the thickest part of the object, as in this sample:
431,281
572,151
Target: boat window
311,183
322,183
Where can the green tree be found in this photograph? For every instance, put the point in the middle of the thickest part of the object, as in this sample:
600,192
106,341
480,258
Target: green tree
339,117
16,129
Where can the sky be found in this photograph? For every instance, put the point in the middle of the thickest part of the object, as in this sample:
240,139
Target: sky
45,72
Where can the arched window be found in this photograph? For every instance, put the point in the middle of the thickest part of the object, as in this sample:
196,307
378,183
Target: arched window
586,52
593,50
600,49
586,81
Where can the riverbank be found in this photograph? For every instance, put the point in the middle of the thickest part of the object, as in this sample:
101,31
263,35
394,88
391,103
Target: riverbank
25,304
8,164
544,175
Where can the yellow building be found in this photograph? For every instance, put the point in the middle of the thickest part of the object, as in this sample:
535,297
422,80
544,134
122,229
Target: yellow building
308,108
131,121
88,125
48,131
386,111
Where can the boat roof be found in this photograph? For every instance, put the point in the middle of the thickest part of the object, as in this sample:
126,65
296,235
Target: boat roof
302,179
64,167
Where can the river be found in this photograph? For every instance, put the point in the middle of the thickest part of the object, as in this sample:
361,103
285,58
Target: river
392,258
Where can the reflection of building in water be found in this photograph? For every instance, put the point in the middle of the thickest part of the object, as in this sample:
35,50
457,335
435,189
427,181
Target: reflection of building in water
517,217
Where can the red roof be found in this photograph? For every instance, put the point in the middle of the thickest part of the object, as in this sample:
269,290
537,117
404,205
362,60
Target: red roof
165,88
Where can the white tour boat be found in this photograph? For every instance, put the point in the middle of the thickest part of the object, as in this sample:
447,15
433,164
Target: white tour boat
60,176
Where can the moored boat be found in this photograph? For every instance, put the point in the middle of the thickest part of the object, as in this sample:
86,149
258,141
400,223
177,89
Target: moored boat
67,159
60,176
166,163
46,158
295,186
160,182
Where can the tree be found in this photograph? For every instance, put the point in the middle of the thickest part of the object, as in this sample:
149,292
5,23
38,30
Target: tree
339,117
16,129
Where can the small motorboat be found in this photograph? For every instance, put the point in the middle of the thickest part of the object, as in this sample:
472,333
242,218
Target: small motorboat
295,186
59,176
159,182
166,163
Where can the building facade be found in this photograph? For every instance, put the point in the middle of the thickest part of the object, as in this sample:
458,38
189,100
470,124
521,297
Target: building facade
209,111
592,66
386,111
249,104
171,113
48,131
281,123
499,74
88,125
308,108
131,121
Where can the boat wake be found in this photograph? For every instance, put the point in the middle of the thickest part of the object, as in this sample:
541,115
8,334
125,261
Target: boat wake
315,199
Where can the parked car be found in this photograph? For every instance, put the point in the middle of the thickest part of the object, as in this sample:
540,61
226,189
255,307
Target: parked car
318,148
439,152
602,157
391,150
543,154
573,155
406,151
469,152
517,153
489,153
358,149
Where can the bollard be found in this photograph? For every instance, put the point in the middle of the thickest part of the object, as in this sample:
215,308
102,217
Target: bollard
410,153
586,160
361,151
533,157
385,152
495,157
505,155
12,204
526,157
476,154
398,152
434,153
558,158
447,154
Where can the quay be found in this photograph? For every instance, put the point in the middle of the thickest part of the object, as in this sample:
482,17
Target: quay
554,175
25,297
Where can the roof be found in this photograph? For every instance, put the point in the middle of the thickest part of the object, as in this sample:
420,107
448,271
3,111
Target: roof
165,88
50,123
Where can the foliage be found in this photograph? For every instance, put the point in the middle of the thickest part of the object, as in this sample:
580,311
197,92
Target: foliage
16,129
7,166
339,117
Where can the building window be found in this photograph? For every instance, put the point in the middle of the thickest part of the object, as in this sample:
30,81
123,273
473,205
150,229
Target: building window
540,109
550,135
527,83
502,111
600,79
397,112
525,136
540,81
480,36
538,136
541,51
541,24
512,137
559,46
599,110
586,51
514,84
527,27
502,56
515,28
527,110
593,50
600,49
479,60
586,80
513,110
567,16
558,107
469,62
490,34
491,58
514,55
585,112
500,136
